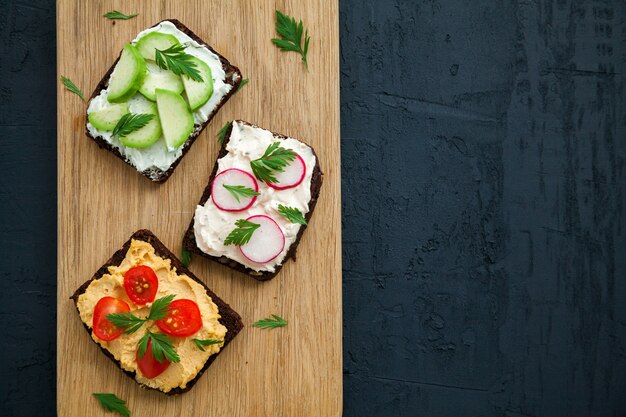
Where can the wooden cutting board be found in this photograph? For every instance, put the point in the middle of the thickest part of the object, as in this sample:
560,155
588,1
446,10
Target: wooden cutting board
291,371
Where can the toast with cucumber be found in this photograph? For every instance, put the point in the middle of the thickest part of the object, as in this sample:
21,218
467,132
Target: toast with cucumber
161,92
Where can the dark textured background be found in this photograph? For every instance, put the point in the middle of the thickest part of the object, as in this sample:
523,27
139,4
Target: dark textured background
483,148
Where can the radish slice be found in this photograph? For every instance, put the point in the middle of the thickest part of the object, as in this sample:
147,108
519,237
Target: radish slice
224,199
292,176
266,243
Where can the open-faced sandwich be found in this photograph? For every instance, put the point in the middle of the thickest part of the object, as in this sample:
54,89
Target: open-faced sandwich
153,317
163,90
258,201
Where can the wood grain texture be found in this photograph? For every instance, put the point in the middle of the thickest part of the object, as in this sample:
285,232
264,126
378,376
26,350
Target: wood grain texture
101,201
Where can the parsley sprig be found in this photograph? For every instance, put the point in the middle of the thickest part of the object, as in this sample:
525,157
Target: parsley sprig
275,159
111,402
271,323
131,323
69,85
131,122
292,214
240,191
290,39
178,61
222,133
242,233
162,347
185,256
201,344
119,15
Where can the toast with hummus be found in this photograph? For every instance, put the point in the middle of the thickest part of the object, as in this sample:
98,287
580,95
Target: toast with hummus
161,92
257,203
153,317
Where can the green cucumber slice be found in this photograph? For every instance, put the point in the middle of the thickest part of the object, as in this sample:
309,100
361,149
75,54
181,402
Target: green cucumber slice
199,92
127,75
147,135
106,119
176,118
155,40
159,78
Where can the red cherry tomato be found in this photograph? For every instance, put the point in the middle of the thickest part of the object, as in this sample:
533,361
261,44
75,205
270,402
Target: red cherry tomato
183,319
148,365
102,327
141,284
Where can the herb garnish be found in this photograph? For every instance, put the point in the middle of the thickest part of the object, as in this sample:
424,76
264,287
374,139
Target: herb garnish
240,190
111,402
131,122
207,342
72,87
178,61
119,15
131,323
162,347
185,256
292,214
222,132
275,158
291,34
242,83
242,234
271,323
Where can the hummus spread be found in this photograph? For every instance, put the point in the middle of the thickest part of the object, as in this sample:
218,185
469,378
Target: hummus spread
124,348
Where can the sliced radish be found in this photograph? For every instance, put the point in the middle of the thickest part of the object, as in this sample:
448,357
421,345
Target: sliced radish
266,243
225,199
292,176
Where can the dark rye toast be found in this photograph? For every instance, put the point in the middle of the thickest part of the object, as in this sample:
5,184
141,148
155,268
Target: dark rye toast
229,317
233,77
189,240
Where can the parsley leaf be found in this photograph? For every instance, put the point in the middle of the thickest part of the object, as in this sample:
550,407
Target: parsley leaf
131,122
242,83
119,15
271,323
290,39
222,133
178,61
274,159
72,87
162,347
292,214
242,234
111,402
185,256
160,306
240,190
208,342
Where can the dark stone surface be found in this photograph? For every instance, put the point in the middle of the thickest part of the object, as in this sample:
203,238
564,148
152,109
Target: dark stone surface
483,147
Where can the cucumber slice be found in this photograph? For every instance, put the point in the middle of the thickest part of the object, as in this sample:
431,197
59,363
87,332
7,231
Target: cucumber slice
199,92
159,78
106,119
176,118
127,75
147,135
155,40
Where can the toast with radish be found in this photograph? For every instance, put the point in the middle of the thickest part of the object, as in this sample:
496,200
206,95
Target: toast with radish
162,91
259,200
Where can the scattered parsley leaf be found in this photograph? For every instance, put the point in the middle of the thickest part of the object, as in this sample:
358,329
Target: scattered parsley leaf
222,133
162,347
131,323
271,323
274,159
185,256
292,214
242,83
178,61
111,402
119,15
159,308
131,122
242,234
290,39
208,342
72,87
240,190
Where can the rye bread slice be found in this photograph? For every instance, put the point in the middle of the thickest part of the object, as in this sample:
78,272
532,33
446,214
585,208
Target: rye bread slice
233,77
189,240
230,318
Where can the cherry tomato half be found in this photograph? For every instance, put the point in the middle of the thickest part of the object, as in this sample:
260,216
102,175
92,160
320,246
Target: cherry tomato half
183,319
102,327
141,284
148,365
